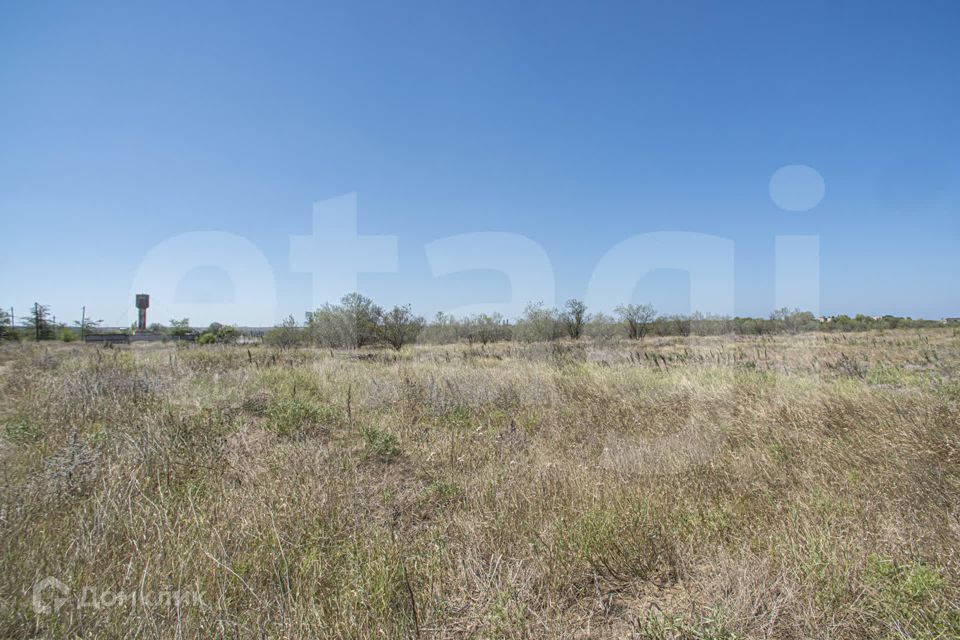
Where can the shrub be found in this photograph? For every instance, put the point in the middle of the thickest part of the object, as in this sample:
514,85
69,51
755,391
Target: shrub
399,326
354,323
180,328
848,366
222,333
623,540
6,326
288,416
285,335
637,317
574,317
539,324
381,444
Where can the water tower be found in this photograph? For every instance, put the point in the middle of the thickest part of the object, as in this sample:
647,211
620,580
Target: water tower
143,303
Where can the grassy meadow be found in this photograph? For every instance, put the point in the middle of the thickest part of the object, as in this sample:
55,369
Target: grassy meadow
803,486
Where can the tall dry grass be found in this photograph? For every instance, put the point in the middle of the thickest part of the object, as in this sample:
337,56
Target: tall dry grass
789,487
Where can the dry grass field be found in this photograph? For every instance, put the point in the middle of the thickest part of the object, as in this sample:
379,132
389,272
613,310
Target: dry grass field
773,487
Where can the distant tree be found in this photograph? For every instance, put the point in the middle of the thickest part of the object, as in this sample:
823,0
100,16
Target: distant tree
792,321
38,322
603,327
806,321
482,327
228,334
637,317
217,332
351,324
780,318
573,317
86,326
329,326
7,331
180,328
486,328
843,322
364,318
539,324
750,326
285,335
399,326
443,329
680,324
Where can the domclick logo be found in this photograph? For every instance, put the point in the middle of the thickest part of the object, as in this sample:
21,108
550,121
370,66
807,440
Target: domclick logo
51,594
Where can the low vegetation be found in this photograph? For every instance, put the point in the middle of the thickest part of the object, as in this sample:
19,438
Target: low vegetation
789,486
357,322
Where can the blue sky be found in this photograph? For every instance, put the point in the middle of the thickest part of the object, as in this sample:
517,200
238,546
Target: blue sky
575,125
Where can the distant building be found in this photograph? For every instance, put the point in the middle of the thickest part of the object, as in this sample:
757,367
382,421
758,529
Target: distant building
141,333
142,302
107,338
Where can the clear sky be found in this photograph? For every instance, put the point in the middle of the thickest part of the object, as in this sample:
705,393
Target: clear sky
567,128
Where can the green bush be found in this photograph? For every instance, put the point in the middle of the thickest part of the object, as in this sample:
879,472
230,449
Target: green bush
381,444
286,335
289,416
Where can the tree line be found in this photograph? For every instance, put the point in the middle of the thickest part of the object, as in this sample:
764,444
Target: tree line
40,324
357,321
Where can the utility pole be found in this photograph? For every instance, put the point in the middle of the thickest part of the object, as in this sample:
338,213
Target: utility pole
83,322
36,318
